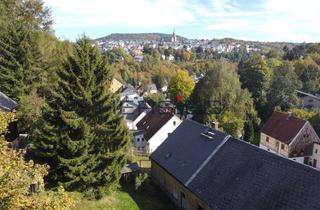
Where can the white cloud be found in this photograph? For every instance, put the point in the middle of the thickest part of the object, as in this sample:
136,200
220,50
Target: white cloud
133,13
269,20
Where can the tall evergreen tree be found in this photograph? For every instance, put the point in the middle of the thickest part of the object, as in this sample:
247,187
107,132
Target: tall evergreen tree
81,134
11,69
22,23
248,132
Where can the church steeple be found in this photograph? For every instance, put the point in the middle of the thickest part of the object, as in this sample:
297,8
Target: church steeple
174,37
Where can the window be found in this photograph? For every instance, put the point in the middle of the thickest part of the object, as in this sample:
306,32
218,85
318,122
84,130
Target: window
267,139
316,151
174,123
175,193
282,146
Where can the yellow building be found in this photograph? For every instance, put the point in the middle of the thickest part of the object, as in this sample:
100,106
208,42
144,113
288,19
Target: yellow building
115,85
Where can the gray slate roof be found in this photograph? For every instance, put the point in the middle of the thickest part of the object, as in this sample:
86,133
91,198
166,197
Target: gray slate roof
239,175
187,150
127,91
301,93
6,103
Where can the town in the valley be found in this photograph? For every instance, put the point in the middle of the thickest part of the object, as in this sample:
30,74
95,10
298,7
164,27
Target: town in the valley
140,121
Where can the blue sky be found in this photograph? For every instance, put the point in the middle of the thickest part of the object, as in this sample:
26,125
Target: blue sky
263,20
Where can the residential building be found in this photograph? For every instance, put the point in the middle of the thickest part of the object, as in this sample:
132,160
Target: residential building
7,104
308,100
156,127
115,85
200,168
133,112
288,136
152,89
129,93
139,142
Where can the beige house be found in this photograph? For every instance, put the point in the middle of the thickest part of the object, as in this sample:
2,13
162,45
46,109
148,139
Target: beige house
288,136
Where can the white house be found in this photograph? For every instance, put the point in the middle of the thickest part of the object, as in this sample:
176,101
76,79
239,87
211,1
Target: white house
133,112
129,93
157,124
139,141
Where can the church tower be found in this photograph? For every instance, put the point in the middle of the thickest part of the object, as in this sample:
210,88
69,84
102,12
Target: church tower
174,37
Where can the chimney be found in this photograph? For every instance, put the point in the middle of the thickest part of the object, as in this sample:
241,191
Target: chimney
215,125
289,115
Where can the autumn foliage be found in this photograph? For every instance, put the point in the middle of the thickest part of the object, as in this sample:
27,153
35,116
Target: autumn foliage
16,176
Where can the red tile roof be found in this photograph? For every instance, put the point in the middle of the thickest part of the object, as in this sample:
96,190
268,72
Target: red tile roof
282,127
152,122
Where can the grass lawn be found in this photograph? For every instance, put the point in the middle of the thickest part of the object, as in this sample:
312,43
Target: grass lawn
148,198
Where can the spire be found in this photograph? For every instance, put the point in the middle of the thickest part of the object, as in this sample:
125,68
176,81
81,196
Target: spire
174,37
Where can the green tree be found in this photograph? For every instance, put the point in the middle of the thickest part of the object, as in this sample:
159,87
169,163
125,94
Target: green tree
16,176
248,132
180,84
218,96
81,134
11,68
255,76
282,89
20,30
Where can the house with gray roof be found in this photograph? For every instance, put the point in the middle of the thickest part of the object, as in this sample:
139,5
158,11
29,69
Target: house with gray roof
308,100
200,168
7,104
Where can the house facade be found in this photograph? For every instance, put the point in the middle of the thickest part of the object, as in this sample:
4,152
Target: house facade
133,113
157,125
7,104
308,100
288,136
200,168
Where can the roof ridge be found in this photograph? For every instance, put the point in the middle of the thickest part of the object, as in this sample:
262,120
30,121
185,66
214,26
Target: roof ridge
207,160
276,155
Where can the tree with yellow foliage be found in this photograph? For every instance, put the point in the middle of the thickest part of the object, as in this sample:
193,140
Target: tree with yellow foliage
181,84
16,176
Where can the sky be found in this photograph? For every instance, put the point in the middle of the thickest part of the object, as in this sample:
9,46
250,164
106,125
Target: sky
261,20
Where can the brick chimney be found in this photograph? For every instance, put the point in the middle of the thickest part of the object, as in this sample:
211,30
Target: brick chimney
289,115
215,125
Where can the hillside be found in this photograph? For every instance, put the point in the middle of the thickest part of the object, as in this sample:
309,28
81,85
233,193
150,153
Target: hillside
139,37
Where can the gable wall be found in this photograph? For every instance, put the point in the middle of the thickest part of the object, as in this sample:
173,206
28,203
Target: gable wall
306,137
160,136
273,145
173,189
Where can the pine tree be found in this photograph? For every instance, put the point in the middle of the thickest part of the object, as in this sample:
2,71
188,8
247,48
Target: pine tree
248,132
22,23
11,70
81,134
